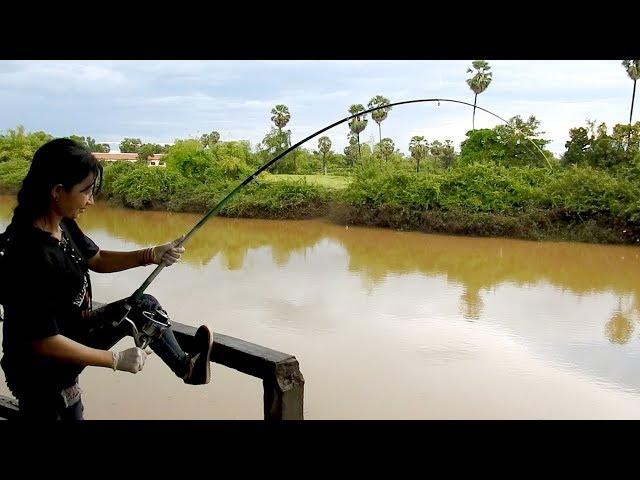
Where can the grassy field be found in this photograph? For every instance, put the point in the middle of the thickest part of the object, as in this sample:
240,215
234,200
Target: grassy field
328,181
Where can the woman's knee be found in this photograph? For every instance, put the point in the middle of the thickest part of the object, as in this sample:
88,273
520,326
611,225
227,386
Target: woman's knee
148,303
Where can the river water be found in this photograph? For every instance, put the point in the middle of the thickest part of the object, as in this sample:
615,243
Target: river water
384,324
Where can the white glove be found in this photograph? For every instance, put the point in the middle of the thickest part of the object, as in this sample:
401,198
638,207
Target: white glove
168,253
129,360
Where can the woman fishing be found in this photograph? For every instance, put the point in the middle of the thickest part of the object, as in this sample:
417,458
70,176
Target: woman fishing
51,332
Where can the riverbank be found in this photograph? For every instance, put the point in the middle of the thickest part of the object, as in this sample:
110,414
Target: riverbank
532,225
538,225
573,204
541,225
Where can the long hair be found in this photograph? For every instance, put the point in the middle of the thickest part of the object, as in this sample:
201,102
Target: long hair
60,161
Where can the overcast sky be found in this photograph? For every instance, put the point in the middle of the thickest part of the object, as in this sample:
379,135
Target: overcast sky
159,101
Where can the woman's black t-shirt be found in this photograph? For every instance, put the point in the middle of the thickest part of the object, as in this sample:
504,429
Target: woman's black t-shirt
49,291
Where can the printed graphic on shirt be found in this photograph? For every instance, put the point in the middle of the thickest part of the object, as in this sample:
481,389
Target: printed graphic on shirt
83,296
81,299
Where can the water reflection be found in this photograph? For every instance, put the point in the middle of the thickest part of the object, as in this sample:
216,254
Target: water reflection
620,327
230,238
478,265
471,303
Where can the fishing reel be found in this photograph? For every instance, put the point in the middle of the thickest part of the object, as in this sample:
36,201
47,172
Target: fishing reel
155,323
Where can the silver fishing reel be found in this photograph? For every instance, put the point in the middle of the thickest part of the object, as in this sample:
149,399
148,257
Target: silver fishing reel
155,323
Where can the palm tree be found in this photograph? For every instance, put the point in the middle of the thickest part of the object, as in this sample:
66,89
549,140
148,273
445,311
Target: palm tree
324,145
381,114
280,116
479,82
358,124
633,70
418,148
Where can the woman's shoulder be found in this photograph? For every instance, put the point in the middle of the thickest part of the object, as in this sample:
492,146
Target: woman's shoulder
35,250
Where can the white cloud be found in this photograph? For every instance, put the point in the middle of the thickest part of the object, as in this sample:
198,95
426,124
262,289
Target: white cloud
63,78
173,99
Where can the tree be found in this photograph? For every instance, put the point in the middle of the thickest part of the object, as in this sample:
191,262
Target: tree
130,145
444,153
596,148
148,149
379,115
633,70
387,147
280,116
418,148
96,147
627,138
518,139
90,144
209,140
324,145
479,82
357,124
19,145
509,145
78,139
189,159
231,160
577,147
606,151
351,150
274,143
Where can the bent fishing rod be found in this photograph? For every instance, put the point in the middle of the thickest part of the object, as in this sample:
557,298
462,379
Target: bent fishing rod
138,293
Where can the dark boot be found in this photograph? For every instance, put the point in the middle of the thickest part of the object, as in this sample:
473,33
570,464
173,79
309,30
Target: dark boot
199,372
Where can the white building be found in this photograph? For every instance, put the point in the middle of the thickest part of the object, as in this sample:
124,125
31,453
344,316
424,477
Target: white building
154,160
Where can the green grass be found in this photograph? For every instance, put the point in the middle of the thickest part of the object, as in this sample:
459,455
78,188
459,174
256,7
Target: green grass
329,181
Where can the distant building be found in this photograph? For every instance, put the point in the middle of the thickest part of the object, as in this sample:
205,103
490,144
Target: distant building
153,161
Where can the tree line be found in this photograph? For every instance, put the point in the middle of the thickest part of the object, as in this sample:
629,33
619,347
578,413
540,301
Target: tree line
504,144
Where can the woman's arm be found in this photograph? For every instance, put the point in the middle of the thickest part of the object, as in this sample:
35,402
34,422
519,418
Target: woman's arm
66,350
106,261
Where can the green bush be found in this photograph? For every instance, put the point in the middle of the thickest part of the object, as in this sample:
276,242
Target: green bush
487,187
284,199
111,172
588,191
145,187
199,198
